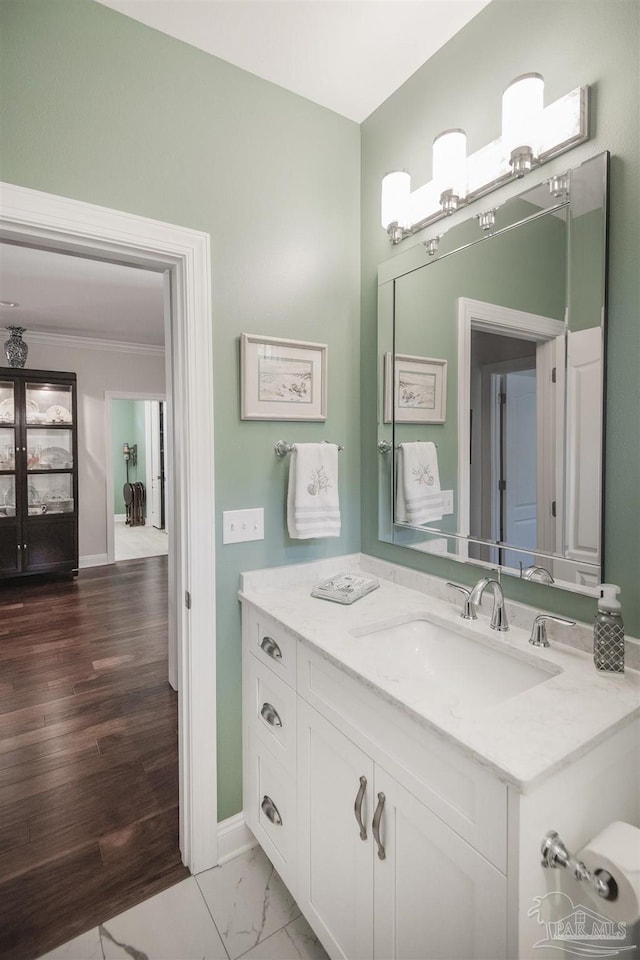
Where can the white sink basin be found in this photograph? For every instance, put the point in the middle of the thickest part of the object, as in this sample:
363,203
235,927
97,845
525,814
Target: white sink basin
473,673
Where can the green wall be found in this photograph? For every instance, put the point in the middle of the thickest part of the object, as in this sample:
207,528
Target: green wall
593,43
127,424
98,107
121,430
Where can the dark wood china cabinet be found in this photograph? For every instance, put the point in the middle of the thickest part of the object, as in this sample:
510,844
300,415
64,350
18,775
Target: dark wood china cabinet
38,473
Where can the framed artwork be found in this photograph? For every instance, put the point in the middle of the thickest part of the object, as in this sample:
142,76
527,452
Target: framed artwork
416,390
282,379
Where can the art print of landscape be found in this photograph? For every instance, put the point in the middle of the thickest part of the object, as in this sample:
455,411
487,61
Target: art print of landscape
416,390
284,381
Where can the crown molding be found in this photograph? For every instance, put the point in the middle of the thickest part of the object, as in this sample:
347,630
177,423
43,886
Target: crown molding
92,343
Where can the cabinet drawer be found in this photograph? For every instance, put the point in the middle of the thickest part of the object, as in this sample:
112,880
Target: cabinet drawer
272,810
456,788
271,644
272,713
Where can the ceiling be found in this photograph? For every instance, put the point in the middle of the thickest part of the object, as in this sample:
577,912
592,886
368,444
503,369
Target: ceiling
346,55
63,294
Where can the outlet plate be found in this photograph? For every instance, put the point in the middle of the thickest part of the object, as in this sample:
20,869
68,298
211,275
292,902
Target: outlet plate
239,526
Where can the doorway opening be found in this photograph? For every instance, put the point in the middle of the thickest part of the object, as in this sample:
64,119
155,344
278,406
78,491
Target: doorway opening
137,475
182,256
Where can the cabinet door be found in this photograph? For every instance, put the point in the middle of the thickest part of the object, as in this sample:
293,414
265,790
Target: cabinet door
335,875
50,545
435,896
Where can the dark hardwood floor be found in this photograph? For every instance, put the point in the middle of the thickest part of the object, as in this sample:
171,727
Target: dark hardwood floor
88,752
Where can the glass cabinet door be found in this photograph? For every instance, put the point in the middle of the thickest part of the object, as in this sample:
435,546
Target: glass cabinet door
7,451
49,404
49,449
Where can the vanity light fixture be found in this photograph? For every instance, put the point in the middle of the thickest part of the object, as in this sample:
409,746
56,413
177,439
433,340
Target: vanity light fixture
450,168
396,190
522,107
531,135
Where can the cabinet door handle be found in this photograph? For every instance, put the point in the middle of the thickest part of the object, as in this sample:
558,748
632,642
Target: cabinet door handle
376,826
270,715
271,648
357,807
270,811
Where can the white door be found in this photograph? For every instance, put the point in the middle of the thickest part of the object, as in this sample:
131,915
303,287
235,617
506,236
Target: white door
335,876
435,896
584,443
156,479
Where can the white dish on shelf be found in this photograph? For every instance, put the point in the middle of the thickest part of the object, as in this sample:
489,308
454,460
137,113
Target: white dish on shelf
55,458
57,414
7,413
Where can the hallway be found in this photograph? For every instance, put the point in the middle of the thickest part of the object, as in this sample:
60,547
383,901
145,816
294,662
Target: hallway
88,752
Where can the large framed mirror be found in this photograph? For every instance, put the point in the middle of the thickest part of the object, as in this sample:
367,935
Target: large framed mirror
491,385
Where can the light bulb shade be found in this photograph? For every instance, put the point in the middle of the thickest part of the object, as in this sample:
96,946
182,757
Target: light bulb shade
450,162
522,106
396,191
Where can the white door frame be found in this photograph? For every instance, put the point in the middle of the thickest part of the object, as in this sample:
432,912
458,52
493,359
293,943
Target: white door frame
58,223
478,315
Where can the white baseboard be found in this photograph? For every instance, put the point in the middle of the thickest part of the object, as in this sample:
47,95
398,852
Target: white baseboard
98,560
234,838
120,517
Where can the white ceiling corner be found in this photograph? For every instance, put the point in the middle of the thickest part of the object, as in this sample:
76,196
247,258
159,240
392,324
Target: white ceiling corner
346,55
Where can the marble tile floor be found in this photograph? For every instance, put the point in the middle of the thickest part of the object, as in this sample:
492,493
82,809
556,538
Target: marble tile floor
241,909
132,542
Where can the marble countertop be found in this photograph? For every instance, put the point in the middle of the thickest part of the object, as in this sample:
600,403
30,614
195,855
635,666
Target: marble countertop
522,739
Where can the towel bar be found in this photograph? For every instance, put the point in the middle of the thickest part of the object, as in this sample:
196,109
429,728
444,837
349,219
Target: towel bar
282,448
385,446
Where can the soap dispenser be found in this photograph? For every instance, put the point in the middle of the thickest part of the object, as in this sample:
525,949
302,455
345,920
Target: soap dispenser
608,631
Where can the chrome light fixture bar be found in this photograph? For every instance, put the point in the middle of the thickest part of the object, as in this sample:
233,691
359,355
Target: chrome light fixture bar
531,136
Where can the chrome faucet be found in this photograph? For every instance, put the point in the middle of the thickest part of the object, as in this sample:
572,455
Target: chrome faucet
468,611
536,573
539,629
498,614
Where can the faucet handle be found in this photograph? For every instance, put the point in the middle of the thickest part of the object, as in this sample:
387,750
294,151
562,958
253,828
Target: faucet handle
539,628
468,611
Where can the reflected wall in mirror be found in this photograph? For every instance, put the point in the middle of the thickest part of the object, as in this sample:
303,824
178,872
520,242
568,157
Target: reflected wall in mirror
517,315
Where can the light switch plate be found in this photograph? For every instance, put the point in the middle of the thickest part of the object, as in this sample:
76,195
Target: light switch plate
241,525
447,501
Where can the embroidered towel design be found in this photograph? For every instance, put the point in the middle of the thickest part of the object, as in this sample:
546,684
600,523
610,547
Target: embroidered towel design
418,494
313,508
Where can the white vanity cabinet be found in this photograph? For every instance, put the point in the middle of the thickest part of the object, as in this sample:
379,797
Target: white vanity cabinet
440,889
402,885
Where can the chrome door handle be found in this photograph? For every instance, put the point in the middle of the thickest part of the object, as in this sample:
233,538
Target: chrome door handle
375,826
270,715
270,811
357,807
271,648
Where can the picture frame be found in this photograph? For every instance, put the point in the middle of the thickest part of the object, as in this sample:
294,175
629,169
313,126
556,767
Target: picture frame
282,379
415,389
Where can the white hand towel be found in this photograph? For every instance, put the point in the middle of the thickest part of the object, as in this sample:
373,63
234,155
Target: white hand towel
418,494
313,508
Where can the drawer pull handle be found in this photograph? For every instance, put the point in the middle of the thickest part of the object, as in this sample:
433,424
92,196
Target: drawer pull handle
357,807
376,826
270,811
271,648
270,715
